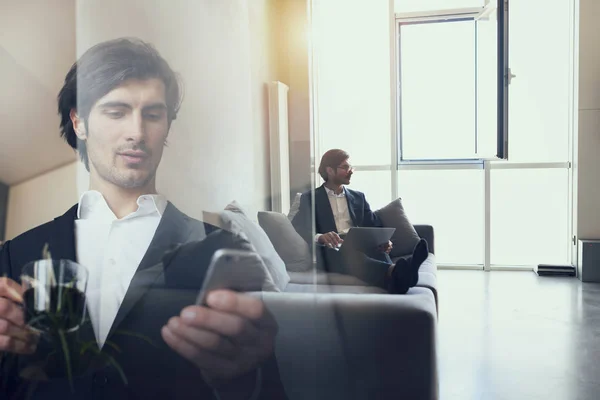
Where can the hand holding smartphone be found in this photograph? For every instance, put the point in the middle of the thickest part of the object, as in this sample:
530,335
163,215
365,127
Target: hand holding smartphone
237,270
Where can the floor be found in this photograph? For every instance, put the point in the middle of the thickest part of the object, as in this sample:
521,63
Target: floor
509,335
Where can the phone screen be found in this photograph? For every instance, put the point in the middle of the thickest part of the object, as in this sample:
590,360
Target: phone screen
237,270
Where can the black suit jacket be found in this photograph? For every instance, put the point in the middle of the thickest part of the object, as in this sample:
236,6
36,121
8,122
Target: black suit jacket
167,280
359,209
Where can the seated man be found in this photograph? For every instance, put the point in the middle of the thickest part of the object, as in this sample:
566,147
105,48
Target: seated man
337,209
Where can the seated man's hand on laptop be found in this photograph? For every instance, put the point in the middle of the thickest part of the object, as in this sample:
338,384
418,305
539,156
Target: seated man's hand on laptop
386,247
227,341
330,239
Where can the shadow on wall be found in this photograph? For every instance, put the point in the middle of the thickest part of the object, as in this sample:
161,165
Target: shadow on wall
300,168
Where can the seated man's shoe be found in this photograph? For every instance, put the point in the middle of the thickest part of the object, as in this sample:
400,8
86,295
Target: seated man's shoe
400,277
420,254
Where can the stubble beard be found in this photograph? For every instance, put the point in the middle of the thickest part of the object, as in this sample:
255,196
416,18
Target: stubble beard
121,178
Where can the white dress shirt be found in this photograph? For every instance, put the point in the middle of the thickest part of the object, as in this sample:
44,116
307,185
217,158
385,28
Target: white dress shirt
111,249
341,213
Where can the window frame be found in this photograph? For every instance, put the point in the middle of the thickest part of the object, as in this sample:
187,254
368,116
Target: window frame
503,73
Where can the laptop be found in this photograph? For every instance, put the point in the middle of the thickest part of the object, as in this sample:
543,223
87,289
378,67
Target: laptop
365,239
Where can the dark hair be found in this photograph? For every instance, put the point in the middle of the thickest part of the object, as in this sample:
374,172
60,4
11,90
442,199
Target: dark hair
101,69
332,158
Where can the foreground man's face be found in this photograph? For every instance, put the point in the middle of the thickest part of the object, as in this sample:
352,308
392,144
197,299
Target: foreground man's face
127,129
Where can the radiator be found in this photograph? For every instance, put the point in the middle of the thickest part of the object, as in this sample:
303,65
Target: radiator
279,147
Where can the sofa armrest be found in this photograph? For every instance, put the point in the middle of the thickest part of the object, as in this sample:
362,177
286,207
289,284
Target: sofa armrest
334,346
426,232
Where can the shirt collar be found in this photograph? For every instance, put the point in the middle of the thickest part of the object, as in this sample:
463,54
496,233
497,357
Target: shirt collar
331,193
92,203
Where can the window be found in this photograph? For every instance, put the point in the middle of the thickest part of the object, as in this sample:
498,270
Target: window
420,6
375,185
448,80
529,218
449,104
353,79
452,201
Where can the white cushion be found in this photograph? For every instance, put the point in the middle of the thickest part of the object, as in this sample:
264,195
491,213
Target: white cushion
290,246
235,220
294,207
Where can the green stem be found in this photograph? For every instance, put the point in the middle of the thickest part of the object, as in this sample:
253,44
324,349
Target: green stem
65,347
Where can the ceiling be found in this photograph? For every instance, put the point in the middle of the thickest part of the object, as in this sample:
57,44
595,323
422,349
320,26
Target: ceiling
37,48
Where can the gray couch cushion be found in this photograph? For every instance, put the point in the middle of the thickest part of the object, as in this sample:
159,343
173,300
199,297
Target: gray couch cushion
235,220
324,278
405,237
331,288
290,246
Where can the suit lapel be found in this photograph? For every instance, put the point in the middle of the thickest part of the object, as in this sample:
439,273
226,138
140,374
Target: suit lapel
62,242
174,229
351,203
62,247
324,212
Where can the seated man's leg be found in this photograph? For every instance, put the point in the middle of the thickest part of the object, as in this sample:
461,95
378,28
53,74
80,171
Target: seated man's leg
349,261
406,269
375,268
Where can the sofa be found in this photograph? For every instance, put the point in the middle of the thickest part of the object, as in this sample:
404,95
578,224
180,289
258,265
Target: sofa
342,339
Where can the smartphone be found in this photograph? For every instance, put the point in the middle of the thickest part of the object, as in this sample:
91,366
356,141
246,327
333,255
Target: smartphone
238,270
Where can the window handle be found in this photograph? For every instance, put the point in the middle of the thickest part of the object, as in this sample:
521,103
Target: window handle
510,76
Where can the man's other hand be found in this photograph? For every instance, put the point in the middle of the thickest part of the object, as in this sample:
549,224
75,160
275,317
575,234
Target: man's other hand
386,247
330,239
15,336
226,340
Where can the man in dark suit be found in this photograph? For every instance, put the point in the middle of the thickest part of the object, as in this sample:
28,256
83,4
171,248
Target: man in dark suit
145,338
337,209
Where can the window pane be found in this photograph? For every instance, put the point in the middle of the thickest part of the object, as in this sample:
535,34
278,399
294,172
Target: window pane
529,211
437,67
353,78
487,86
539,95
451,201
428,5
376,185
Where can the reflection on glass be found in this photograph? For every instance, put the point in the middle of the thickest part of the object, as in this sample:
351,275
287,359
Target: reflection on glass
54,295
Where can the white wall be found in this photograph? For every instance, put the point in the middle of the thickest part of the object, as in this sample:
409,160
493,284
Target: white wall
218,144
37,47
41,199
588,147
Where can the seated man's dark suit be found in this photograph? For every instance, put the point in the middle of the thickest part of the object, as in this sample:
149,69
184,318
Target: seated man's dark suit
369,265
158,291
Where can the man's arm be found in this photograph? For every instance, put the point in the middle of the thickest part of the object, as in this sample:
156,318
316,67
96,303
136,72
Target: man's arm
262,384
231,343
370,219
9,381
